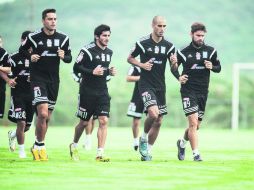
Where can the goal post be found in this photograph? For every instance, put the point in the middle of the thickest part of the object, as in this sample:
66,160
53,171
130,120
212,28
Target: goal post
237,67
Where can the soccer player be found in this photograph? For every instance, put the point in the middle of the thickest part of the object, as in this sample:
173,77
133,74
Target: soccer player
21,110
4,70
154,51
136,106
93,64
197,60
49,47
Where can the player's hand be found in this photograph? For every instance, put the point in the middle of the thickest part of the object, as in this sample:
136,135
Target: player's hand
112,71
98,71
173,58
208,64
35,58
12,82
148,65
60,53
183,79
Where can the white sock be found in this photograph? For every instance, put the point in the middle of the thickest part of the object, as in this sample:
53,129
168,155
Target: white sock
183,143
75,145
149,147
144,135
88,138
13,134
195,152
21,147
135,142
100,151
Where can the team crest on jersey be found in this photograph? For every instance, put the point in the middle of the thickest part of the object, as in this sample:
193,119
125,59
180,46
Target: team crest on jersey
156,49
163,49
205,54
108,57
49,43
80,57
102,57
56,42
26,63
198,56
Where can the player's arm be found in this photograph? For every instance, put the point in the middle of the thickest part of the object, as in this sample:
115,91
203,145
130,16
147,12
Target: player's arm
6,70
134,53
174,69
24,49
64,51
215,63
131,76
80,65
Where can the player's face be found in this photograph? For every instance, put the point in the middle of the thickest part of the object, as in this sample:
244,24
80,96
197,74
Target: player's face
198,37
159,27
50,21
104,38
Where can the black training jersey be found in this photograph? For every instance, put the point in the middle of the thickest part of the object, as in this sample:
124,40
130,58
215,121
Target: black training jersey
135,71
192,60
4,63
89,58
20,69
148,49
46,46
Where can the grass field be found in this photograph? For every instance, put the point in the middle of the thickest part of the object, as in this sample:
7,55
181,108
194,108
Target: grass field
228,163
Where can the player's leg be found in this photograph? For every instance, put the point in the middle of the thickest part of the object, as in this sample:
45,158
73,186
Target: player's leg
88,138
21,124
135,132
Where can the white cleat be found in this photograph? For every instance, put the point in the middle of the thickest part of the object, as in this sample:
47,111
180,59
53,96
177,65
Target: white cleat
22,154
12,142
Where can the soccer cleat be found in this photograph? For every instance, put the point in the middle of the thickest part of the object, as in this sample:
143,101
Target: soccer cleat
143,147
12,142
102,159
146,158
43,154
74,152
181,151
135,147
197,158
22,154
35,153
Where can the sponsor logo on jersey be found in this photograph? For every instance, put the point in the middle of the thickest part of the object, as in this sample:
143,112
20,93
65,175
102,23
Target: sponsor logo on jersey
104,112
198,56
196,66
40,43
205,54
47,54
49,43
156,49
56,42
24,73
163,49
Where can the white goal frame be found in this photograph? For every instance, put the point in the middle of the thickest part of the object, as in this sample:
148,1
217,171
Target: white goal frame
237,67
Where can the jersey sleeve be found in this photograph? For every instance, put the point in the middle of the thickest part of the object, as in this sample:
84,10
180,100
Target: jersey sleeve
82,60
67,50
4,58
29,42
215,61
136,50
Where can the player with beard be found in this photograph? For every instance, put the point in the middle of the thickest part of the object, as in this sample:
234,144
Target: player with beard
197,59
93,64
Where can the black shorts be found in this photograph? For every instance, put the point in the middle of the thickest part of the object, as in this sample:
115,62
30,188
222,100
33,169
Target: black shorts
2,103
153,97
44,92
194,103
21,109
93,105
136,108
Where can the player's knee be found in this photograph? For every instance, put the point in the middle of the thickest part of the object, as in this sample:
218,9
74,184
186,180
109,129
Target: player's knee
103,121
193,124
43,115
83,124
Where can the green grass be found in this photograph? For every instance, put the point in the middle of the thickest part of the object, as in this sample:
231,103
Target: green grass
228,163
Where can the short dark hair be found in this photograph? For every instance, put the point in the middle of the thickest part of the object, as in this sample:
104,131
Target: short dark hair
46,11
101,28
197,26
25,34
